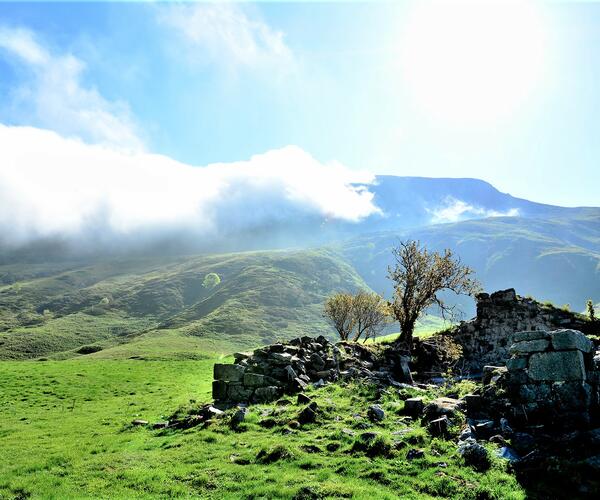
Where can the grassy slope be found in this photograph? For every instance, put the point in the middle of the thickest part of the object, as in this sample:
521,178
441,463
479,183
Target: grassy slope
77,413
262,297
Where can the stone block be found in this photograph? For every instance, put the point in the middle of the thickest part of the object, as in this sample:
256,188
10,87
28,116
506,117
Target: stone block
254,380
516,363
219,390
281,358
266,394
237,393
529,346
530,335
564,340
228,373
557,366
492,374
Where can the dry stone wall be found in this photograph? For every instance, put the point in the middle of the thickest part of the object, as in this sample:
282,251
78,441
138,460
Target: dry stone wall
486,339
267,373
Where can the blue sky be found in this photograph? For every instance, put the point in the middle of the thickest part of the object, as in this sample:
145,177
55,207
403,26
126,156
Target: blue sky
506,94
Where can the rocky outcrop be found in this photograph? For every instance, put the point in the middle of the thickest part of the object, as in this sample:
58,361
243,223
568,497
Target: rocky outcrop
486,339
267,373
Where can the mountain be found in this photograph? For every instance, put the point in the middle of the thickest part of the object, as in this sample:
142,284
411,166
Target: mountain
555,259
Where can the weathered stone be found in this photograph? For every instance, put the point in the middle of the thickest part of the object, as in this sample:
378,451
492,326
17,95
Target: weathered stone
440,407
291,373
316,362
439,426
139,421
308,415
571,339
238,356
530,335
491,374
281,358
516,363
557,366
298,384
415,454
254,380
228,373
529,346
413,407
266,394
237,393
219,390
375,413
475,455
303,399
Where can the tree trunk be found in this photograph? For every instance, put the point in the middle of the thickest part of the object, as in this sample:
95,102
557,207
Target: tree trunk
406,335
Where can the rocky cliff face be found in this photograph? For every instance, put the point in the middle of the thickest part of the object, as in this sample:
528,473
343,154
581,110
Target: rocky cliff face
486,339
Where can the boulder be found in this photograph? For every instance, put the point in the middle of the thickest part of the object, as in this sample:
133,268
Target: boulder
303,399
254,380
557,366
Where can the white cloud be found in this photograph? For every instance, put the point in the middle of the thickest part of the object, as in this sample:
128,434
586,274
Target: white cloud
64,186
454,210
225,34
56,98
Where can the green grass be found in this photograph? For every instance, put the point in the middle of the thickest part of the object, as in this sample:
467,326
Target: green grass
66,434
426,327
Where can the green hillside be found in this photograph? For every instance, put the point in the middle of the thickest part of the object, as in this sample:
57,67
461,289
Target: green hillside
261,297
556,260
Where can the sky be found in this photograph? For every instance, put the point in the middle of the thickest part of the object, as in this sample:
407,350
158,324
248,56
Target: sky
335,92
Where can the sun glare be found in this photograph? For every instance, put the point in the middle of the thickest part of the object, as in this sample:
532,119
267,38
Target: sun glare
473,63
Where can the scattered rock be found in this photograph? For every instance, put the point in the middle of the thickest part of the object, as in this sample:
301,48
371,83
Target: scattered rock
475,455
415,454
309,414
303,399
138,422
413,407
375,413
439,427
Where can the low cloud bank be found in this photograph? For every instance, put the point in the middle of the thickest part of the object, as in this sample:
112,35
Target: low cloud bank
51,186
454,210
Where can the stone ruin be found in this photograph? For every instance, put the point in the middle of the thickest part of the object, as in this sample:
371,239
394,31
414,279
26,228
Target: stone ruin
272,371
553,379
486,339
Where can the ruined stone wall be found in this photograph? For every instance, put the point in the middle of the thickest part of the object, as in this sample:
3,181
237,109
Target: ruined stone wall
486,338
269,372
552,378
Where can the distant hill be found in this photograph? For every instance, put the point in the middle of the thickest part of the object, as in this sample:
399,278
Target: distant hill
556,259
262,297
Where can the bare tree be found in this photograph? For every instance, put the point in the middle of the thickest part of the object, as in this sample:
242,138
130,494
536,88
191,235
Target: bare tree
339,310
371,314
419,276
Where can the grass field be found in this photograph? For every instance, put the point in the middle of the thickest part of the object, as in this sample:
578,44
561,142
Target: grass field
66,434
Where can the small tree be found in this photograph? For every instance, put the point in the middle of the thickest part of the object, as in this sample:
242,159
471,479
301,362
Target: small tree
371,314
419,276
339,310
211,280
590,310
